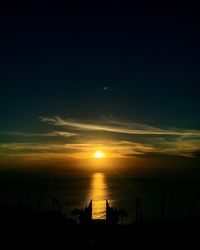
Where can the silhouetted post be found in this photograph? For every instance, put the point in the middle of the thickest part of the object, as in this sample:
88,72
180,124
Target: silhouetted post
22,196
194,205
139,212
56,203
163,203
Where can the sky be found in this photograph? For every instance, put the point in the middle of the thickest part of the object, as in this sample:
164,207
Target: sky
119,78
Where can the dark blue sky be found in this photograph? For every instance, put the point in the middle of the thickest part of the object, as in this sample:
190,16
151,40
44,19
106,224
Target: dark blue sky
133,63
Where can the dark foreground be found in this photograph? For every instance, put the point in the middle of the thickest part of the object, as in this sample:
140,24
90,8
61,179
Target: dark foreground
28,228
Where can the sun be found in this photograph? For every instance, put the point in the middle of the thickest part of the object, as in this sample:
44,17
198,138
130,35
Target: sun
98,155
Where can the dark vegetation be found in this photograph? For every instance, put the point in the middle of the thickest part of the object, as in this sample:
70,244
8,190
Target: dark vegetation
26,227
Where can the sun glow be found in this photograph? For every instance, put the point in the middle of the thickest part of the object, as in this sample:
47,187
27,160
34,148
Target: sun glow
98,155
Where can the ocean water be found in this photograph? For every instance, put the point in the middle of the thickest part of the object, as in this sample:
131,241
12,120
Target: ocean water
182,195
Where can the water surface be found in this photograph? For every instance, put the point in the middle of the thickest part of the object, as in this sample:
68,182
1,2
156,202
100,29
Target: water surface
76,190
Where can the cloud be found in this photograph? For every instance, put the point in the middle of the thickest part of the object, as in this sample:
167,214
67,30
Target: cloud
50,134
152,140
111,148
118,127
181,146
168,141
187,147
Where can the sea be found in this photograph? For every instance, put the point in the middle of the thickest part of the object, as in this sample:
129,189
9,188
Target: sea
180,196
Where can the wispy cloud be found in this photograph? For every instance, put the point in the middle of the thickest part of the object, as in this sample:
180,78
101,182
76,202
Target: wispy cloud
182,146
118,127
168,141
50,134
152,140
112,148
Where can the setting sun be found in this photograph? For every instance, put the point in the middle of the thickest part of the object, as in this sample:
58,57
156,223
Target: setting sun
98,154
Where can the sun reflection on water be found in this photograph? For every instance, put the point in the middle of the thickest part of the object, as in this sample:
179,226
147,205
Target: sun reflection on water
98,194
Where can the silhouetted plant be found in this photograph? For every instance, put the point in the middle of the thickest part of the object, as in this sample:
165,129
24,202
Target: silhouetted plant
41,198
76,213
122,214
194,205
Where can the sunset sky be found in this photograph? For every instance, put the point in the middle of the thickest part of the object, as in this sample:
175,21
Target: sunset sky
120,79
